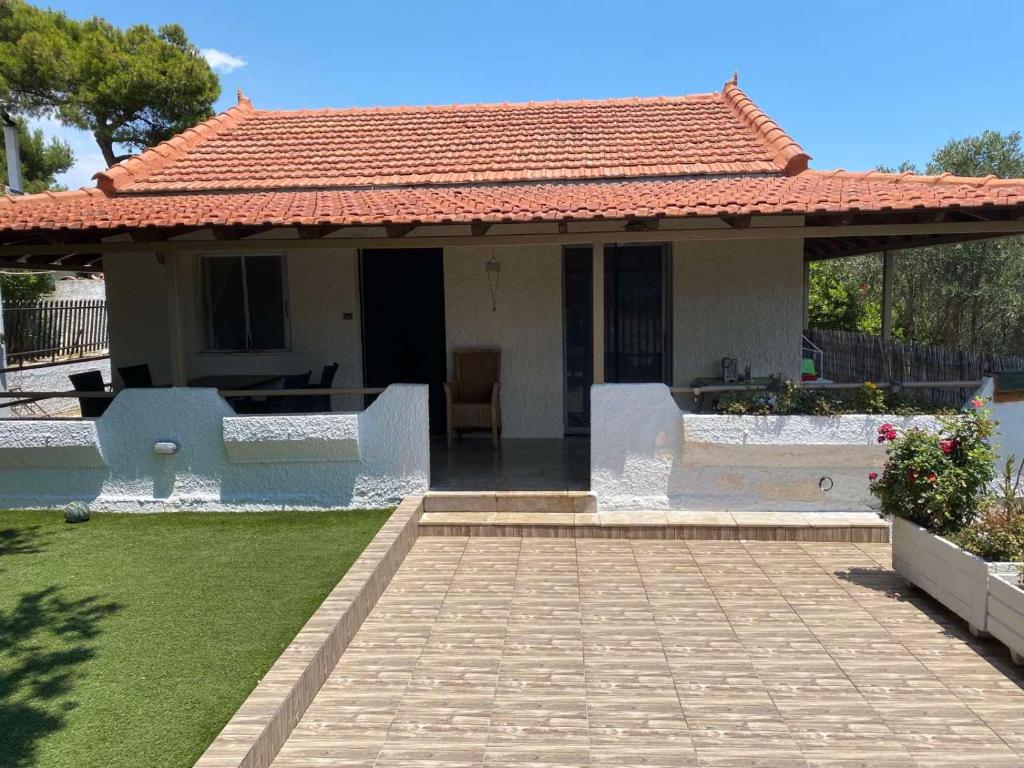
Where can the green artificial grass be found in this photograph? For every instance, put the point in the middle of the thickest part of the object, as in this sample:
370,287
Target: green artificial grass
130,640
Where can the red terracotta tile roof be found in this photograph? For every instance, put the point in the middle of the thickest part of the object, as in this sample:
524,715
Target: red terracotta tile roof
806,193
687,156
714,133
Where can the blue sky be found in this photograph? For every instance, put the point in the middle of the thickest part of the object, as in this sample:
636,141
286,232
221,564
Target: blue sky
857,84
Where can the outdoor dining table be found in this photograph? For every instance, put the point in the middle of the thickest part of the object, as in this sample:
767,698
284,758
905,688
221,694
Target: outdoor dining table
235,380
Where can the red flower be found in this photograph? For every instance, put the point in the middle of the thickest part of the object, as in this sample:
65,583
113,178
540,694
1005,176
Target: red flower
977,402
932,477
872,476
948,446
881,439
911,475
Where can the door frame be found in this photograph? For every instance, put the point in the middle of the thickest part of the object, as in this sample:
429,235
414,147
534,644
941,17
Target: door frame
667,321
566,429
667,335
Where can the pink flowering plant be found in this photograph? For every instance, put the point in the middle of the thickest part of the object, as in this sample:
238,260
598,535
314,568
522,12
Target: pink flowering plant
939,481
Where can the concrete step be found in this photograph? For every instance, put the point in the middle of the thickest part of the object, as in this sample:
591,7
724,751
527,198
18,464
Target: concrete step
487,502
530,520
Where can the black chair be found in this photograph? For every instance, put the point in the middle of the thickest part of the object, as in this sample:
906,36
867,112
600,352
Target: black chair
136,376
289,403
90,381
321,403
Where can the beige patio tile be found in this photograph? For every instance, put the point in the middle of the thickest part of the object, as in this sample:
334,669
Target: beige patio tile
534,501
711,517
460,501
534,518
618,653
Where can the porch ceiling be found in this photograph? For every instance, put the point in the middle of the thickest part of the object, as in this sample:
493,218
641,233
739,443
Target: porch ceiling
825,235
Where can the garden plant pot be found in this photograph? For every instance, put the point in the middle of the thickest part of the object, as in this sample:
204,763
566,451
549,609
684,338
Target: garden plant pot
1006,613
957,579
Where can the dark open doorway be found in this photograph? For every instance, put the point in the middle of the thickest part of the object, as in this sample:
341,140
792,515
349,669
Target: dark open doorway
403,322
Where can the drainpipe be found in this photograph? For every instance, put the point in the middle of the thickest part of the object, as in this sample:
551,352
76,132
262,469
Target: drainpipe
3,346
14,186
13,154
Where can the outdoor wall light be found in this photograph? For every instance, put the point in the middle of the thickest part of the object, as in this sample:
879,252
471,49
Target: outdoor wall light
493,269
166,448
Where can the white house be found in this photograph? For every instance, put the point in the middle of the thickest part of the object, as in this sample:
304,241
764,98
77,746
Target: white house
615,241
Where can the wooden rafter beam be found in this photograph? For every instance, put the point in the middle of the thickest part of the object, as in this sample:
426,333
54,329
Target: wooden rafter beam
736,221
670,229
399,230
315,232
641,225
815,250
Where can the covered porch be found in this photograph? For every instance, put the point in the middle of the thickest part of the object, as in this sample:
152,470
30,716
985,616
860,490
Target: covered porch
565,305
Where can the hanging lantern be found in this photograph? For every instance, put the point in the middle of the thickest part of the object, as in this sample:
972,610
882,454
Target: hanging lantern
493,269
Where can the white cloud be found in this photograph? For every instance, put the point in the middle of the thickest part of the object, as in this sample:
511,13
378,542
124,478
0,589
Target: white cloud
221,61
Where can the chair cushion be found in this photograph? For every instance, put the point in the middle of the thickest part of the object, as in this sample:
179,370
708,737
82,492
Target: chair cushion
471,415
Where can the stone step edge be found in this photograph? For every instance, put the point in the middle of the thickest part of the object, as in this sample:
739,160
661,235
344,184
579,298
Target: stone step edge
510,501
862,534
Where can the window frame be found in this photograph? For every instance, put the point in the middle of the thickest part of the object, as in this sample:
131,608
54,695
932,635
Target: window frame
205,309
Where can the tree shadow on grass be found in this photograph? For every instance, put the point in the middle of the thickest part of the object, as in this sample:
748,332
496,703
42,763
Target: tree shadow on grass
44,640
21,541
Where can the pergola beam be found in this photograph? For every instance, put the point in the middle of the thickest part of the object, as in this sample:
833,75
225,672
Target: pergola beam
888,275
955,231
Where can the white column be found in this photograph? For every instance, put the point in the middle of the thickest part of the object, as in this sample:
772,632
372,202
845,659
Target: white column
175,334
3,346
807,295
597,312
887,280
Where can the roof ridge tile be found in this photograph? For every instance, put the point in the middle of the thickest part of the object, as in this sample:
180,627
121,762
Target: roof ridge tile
787,152
120,175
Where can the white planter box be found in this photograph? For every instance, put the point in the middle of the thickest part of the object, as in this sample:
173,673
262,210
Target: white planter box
957,579
1006,613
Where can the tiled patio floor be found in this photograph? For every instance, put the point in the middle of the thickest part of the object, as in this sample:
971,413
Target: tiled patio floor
547,652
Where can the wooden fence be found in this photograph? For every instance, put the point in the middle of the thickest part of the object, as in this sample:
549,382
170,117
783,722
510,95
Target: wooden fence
54,329
850,356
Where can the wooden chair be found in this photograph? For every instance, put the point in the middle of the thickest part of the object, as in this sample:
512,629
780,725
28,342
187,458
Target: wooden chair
321,403
474,398
90,381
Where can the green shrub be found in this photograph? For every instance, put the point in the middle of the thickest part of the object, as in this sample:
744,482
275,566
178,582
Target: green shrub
784,397
939,481
998,534
871,399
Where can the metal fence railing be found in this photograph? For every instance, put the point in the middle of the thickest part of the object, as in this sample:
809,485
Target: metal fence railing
53,329
859,357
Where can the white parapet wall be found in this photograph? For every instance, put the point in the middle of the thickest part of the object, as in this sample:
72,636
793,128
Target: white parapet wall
185,449
648,454
1009,440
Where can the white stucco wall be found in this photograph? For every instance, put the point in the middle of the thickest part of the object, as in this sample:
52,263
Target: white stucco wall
527,326
223,462
137,312
646,453
321,287
741,299
1009,440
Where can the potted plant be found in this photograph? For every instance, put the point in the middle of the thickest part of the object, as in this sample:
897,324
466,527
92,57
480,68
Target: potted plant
934,485
998,536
